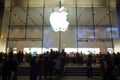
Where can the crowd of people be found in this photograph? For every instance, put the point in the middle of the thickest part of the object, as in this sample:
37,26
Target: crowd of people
53,63
48,64
9,66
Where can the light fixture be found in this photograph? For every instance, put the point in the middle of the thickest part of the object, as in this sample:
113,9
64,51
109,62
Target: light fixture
58,20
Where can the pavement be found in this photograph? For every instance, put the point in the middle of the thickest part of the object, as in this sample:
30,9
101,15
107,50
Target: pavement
64,78
27,77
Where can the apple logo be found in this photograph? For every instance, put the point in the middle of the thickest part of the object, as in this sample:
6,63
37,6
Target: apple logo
58,20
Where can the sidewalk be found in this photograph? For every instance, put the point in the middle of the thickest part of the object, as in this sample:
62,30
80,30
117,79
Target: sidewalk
26,77
64,78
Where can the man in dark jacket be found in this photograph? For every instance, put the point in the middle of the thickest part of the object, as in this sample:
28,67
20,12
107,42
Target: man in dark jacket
10,68
89,66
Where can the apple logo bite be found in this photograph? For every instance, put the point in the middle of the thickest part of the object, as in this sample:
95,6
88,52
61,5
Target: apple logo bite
58,20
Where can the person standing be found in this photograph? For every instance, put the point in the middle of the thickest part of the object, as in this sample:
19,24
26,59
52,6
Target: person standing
10,68
40,66
58,67
33,68
108,69
89,66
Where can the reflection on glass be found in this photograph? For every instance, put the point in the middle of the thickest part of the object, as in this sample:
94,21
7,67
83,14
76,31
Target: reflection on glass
85,32
50,38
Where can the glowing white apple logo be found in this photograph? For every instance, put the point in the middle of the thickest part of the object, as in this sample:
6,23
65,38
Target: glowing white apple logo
59,21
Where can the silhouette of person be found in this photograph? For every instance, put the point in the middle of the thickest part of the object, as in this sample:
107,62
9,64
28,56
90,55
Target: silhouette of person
40,66
89,66
10,67
33,68
108,68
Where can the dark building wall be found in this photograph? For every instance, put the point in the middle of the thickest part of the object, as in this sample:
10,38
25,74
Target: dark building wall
1,14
